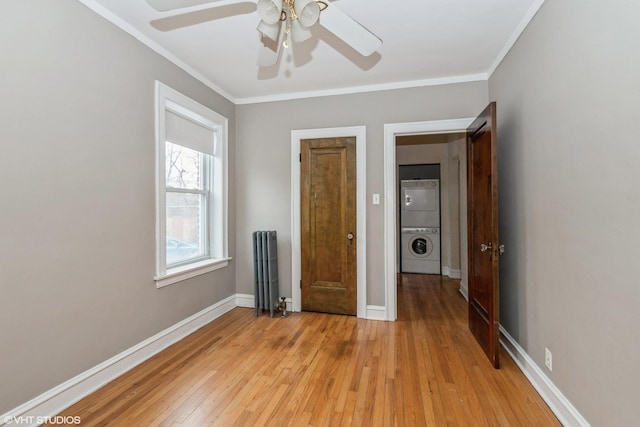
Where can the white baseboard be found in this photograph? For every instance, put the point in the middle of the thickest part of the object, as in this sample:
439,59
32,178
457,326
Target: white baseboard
452,273
464,291
248,301
559,404
59,398
245,300
376,312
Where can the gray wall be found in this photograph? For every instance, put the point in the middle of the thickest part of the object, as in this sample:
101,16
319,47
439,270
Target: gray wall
77,209
568,124
263,199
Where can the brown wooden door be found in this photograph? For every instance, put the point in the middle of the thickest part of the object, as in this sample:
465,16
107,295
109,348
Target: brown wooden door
328,225
482,202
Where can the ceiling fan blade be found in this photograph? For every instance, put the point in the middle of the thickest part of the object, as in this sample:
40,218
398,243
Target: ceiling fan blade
266,56
166,5
349,30
269,50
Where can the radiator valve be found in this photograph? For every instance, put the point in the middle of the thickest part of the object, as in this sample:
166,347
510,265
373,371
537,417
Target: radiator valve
282,306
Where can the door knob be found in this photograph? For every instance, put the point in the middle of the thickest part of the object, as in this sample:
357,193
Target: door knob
350,236
484,248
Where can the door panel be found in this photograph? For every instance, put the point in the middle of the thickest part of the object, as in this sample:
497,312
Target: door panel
328,216
484,310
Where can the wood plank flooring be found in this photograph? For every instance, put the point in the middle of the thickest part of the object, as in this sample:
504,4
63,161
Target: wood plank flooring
313,369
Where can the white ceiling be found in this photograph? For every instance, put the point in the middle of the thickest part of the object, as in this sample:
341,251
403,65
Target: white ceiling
424,42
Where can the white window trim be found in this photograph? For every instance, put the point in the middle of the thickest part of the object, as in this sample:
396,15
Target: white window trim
169,99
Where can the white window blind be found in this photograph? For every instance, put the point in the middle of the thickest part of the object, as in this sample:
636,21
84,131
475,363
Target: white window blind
183,131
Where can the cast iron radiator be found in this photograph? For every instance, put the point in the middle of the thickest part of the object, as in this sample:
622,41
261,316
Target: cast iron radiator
265,271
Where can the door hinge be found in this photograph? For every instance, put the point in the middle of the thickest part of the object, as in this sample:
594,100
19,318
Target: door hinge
300,155
300,284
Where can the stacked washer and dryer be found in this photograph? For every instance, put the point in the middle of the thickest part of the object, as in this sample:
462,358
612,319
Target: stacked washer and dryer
420,226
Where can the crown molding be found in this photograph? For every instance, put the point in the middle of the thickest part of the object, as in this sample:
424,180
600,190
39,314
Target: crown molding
363,89
526,19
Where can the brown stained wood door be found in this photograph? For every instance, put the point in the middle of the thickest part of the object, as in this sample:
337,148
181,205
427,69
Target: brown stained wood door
328,225
482,202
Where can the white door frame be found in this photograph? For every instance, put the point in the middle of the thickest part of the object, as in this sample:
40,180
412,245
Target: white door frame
361,210
390,239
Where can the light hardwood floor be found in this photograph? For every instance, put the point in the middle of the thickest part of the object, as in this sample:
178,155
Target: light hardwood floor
325,370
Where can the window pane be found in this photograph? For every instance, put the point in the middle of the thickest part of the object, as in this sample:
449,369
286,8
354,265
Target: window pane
185,227
183,167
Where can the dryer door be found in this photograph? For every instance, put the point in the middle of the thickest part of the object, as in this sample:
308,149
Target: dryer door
421,199
420,203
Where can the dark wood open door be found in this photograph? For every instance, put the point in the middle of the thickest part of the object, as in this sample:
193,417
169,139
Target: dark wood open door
328,225
484,247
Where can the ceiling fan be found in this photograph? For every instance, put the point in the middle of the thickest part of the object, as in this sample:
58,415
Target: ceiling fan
285,21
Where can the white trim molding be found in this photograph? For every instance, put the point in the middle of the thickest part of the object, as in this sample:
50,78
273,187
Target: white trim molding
361,207
245,300
248,301
390,243
470,78
464,290
566,413
57,399
524,22
452,272
376,312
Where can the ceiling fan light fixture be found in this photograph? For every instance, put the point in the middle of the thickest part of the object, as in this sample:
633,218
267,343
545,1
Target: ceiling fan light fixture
299,32
307,11
269,10
271,31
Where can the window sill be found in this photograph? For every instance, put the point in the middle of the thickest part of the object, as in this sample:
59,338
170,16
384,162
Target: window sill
181,273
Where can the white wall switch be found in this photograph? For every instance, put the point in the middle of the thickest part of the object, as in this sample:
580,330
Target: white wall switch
376,198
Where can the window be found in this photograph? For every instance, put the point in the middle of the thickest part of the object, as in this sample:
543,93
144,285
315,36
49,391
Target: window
191,194
187,198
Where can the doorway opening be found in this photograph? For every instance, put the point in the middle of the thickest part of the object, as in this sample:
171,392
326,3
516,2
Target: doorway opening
432,142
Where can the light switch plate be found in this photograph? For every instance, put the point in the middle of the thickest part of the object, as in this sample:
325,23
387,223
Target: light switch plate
376,198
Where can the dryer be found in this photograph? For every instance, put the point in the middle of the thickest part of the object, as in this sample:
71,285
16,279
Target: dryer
420,203
420,250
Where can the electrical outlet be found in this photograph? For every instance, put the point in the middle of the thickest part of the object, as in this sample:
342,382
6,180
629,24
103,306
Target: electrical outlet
548,359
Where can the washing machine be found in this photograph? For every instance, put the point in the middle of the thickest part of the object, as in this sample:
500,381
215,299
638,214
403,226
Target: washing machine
420,250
